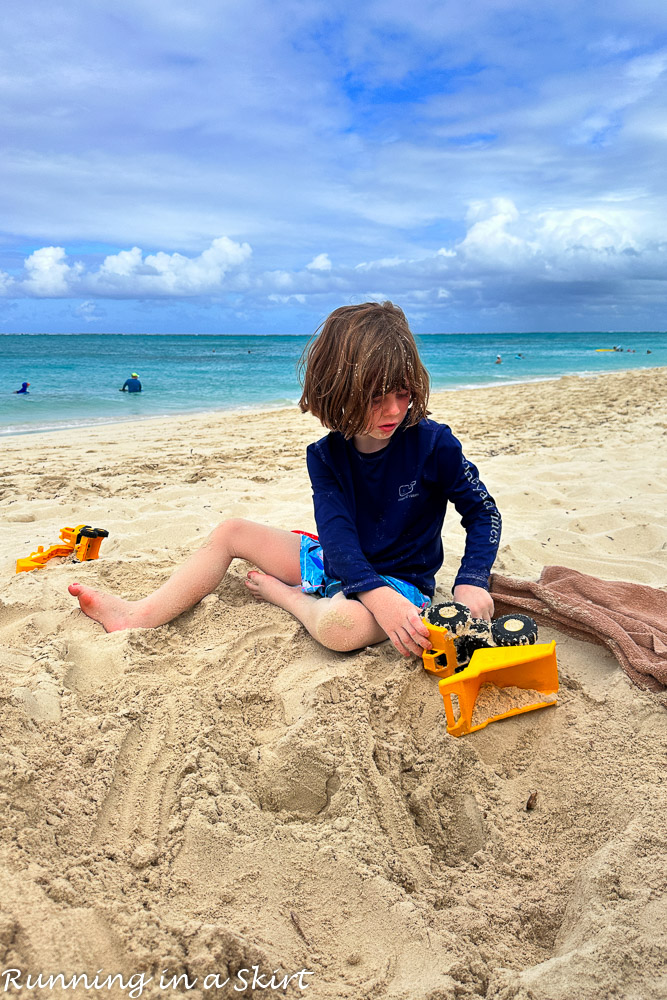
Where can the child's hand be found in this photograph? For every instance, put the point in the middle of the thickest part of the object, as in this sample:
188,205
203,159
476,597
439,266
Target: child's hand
478,600
399,618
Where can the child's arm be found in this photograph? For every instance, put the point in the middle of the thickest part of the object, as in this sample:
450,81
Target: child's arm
482,522
399,618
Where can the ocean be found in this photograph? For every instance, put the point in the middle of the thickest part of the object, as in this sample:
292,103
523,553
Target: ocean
74,379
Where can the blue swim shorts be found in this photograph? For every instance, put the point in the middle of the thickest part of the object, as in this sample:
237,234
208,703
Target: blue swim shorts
315,581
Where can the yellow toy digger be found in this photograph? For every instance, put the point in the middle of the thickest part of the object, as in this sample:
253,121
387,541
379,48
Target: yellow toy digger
468,653
82,543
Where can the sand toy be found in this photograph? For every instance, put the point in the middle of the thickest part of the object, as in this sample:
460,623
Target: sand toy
495,672
82,543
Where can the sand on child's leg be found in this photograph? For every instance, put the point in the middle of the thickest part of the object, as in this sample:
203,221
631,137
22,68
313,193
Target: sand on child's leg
335,622
272,549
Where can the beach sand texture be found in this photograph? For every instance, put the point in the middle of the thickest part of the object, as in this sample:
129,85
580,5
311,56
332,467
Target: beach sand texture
221,792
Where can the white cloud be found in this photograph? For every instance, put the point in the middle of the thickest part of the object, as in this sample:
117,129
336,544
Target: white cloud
586,229
131,275
171,274
286,299
320,263
122,264
381,264
48,274
502,237
488,238
279,279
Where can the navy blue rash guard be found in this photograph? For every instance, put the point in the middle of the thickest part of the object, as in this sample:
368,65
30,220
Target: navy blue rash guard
383,513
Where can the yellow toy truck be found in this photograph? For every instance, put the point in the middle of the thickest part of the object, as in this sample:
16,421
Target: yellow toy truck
468,653
82,543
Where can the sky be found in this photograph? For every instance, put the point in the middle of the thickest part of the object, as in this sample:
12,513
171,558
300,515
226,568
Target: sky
246,166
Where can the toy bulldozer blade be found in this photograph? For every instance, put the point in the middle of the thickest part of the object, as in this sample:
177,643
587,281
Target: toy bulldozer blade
530,667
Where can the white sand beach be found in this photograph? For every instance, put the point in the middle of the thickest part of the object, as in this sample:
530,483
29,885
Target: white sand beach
222,793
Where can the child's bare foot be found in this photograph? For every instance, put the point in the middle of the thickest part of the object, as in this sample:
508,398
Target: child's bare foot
267,588
112,612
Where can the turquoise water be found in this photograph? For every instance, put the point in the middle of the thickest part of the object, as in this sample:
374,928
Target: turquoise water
74,379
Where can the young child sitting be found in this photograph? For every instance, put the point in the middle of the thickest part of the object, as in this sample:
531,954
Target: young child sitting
381,479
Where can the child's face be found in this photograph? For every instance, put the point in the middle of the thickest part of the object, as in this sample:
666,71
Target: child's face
387,414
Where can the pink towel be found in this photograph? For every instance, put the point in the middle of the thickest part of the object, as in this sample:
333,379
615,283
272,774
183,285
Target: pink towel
629,618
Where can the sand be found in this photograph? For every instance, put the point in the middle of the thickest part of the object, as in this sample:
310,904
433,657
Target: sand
492,700
222,793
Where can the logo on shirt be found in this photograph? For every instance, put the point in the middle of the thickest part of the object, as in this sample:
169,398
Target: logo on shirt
407,491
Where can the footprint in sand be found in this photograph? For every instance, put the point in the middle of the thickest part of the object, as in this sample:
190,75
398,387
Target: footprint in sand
291,775
41,703
93,664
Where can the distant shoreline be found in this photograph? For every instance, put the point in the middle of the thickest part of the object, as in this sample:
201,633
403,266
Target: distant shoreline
236,411
431,333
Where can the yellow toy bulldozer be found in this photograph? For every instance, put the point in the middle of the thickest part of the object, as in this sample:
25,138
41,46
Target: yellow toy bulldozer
82,543
469,654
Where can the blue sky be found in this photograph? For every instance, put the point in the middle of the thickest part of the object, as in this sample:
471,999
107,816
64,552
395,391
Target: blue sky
247,166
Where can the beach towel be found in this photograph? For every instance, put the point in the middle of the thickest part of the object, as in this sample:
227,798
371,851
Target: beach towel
629,618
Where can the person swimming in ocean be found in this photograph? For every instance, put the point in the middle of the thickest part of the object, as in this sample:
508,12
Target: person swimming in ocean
132,384
23,391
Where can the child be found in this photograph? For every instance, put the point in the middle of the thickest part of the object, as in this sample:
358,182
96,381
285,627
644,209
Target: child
381,482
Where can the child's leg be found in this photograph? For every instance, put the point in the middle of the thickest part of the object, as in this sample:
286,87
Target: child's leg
335,622
274,550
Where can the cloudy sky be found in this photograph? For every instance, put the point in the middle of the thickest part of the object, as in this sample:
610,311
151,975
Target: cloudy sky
248,165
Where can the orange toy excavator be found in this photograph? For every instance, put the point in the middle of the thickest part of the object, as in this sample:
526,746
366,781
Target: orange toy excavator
469,653
82,543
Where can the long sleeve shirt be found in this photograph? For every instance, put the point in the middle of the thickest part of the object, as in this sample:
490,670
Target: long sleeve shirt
383,513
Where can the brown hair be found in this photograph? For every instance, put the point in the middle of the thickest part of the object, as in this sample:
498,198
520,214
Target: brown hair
359,353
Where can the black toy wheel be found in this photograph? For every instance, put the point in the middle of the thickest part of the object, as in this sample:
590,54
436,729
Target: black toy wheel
514,630
463,651
479,630
454,617
477,635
